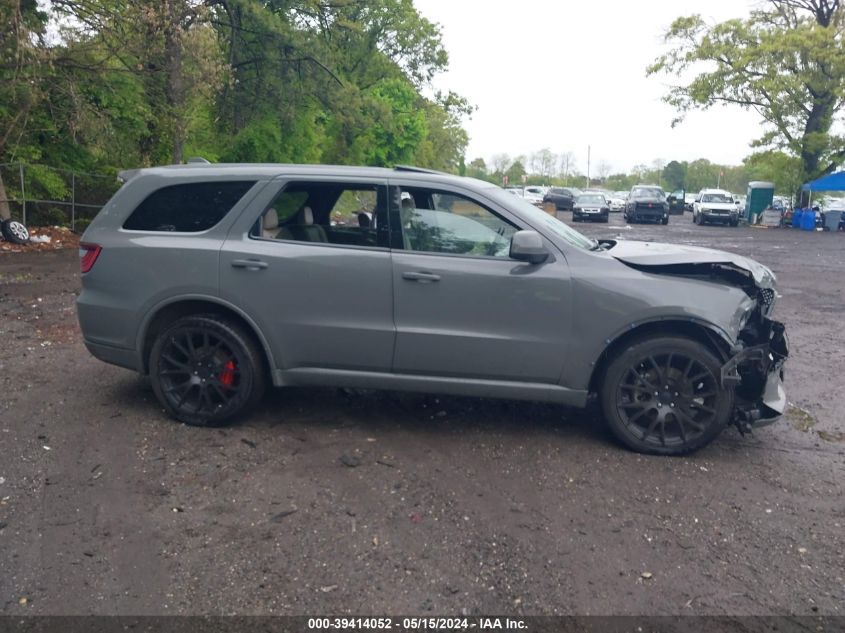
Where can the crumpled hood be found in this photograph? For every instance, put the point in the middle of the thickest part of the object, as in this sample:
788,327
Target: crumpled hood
646,254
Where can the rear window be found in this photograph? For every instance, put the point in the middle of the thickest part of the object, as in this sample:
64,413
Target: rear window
187,208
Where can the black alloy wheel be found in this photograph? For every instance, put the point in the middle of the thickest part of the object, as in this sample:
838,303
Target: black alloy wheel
206,369
663,395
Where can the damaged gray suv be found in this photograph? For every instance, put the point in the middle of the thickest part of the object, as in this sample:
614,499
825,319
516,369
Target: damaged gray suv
217,280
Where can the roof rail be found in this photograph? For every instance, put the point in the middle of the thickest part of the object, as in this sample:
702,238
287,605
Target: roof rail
421,170
198,159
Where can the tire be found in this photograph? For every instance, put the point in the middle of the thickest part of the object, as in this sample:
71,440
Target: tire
206,369
14,232
734,223
664,221
699,408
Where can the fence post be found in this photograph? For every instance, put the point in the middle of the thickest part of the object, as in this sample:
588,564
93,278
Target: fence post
23,197
73,201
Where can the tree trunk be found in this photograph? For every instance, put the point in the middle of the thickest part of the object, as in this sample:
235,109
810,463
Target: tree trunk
818,122
175,83
5,210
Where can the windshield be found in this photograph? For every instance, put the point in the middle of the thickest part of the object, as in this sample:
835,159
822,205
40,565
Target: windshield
543,219
647,192
590,199
715,197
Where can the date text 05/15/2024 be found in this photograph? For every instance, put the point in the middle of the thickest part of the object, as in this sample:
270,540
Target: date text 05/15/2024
412,623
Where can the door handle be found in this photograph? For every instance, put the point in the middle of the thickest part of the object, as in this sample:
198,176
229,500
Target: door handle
421,277
251,264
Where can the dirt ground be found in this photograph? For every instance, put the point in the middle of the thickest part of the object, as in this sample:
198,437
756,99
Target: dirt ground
382,503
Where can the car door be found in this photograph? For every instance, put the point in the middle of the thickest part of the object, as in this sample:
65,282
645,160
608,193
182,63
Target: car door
308,266
462,307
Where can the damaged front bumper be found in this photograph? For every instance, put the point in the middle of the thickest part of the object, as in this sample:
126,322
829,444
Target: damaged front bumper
755,373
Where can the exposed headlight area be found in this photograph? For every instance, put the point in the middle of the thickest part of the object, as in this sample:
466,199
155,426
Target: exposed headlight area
755,370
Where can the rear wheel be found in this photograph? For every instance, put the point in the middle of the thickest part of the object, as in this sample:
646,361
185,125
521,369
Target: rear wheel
663,395
664,221
206,369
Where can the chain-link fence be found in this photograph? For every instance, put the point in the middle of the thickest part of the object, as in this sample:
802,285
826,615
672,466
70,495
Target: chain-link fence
39,195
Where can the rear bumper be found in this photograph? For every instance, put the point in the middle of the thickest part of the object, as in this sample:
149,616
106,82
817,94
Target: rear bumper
127,358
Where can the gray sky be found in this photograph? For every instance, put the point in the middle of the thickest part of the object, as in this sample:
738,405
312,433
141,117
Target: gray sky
568,74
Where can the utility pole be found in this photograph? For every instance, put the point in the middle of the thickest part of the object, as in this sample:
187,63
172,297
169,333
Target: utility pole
588,167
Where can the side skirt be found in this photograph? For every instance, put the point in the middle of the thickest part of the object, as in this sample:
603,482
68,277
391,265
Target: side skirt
541,392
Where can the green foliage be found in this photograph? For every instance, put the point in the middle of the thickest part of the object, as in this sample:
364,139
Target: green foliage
396,126
777,167
784,62
674,174
154,81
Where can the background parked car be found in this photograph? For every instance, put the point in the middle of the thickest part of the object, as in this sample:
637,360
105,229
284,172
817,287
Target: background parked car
616,201
647,203
716,206
563,197
592,207
534,194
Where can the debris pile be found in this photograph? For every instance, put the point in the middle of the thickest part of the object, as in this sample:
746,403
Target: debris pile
44,238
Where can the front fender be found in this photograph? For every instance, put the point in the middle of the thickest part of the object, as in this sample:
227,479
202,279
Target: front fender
607,306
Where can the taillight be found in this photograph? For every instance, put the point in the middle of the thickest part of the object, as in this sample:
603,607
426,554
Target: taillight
88,254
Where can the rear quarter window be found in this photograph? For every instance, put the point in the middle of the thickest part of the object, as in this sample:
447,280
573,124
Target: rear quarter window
187,208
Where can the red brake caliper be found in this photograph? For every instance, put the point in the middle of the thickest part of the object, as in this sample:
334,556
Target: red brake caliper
227,376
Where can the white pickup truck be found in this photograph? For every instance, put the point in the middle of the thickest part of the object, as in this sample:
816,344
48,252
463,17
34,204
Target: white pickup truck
715,206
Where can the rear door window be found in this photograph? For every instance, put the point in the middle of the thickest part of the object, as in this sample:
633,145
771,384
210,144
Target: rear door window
348,214
187,208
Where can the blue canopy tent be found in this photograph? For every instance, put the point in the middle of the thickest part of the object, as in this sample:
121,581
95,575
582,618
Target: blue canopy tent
831,182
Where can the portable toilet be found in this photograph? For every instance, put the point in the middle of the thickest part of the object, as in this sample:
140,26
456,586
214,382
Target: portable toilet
759,198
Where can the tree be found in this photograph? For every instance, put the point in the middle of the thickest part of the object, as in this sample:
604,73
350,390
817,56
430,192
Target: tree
777,167
501,163
786,62
543,163
516,171
701,174
477,169
603,169
675,175
567,165
21,77
641,173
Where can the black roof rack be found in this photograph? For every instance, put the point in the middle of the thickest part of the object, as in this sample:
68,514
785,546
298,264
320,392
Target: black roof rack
421,170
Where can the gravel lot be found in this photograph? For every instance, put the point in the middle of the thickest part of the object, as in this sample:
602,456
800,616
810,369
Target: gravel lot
384,503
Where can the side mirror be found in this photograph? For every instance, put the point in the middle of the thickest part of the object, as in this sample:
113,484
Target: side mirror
527,246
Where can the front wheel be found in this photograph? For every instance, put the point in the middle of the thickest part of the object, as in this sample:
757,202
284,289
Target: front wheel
663,395
664,221
206,369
